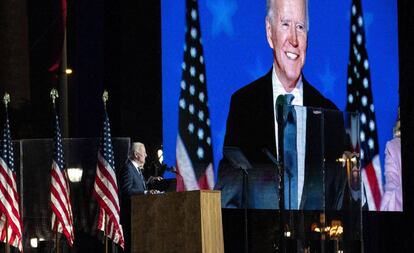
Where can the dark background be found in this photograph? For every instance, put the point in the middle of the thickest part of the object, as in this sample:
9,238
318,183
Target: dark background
116,45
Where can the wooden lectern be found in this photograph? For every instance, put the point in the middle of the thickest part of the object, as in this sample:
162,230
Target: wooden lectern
177,222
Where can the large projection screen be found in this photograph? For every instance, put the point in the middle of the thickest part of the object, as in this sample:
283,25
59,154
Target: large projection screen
236,52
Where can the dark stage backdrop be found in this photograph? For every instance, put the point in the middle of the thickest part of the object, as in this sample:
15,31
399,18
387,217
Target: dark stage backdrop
113,45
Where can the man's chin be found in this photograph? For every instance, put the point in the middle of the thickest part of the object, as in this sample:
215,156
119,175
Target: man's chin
293,77
289,75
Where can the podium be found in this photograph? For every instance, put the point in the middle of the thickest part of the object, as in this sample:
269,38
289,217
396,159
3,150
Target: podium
177,222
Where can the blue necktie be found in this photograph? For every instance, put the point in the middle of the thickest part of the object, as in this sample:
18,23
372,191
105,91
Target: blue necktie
290,154
142,178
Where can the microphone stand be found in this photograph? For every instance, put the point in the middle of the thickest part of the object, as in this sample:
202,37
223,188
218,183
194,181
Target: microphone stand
236,159
245,204
281,195
280,106
280,103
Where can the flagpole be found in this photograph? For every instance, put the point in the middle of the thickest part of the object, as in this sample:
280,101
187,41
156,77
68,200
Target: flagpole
105,233
7,246
54,94
57,242
63,86
6,100
105,98
106,243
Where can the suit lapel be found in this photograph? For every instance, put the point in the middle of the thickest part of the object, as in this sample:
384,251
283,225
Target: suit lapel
268,122
139,178
308,97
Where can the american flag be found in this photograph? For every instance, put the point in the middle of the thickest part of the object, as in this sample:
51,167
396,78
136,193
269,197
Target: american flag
10,222
194,148
106,188
360,100
62,219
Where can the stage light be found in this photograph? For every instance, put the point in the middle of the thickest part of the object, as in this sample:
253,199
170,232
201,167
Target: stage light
315,228
336,229
75,174
68,71
34,242
160,155
354,159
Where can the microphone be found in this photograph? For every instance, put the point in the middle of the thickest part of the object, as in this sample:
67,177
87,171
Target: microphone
280,102
169,168
270,156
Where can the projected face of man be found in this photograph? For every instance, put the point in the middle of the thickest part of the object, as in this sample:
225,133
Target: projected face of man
286,30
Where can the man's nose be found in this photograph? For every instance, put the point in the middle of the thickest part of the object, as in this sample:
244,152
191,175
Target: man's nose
293,36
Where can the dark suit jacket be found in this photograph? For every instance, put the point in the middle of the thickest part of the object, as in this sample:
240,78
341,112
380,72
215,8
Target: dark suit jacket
251,127
131,184
131,181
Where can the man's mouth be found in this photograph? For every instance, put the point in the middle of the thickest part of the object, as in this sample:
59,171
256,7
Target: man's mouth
292,56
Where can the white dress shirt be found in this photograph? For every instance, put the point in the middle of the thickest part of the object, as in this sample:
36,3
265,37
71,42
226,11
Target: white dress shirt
136,165
297,92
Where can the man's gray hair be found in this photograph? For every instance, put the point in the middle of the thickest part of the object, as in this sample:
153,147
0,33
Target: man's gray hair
270,14
136,146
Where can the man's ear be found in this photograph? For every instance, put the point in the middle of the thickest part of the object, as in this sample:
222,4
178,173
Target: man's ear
269,31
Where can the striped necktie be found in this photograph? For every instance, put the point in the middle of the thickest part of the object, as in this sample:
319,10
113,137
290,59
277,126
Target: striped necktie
142,178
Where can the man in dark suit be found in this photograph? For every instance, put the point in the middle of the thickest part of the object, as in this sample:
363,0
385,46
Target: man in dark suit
252,124
133,182
132,178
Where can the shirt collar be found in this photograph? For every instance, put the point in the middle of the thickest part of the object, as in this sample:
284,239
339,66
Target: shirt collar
136,164
278,89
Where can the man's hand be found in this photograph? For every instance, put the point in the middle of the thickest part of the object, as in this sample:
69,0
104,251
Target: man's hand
152,179
153,191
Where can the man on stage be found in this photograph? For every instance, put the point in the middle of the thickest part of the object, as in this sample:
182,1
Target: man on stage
133,182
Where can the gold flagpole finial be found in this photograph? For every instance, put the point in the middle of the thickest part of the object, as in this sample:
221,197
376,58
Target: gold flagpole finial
54,94
105,96
6,99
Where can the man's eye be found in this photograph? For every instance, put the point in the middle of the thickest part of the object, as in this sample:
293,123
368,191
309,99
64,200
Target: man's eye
300,27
